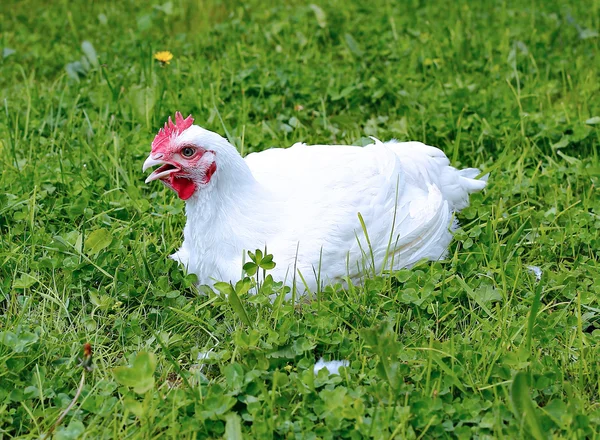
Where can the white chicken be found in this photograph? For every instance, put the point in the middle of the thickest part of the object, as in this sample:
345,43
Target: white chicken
307,205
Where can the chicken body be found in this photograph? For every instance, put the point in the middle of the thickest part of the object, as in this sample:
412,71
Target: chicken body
327,213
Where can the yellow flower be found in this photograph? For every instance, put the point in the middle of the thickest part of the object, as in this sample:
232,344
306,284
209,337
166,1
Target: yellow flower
164,57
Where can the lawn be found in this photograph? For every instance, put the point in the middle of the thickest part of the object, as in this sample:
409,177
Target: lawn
472,346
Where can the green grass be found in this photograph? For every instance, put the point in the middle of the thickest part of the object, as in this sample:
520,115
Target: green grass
468,347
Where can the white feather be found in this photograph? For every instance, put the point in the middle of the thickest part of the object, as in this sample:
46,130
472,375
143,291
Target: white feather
537,271
332,366
303,204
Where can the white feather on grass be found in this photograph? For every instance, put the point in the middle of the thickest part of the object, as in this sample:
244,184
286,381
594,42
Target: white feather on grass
537,271
332,366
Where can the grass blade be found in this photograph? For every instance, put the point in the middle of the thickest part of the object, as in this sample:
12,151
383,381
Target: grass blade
524,407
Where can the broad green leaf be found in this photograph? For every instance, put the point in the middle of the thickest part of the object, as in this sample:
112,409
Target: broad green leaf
593,121
216,405
585,34
98,240
24,281
280,379
238,308
558,412
234,299
224,288
75,70
477,298
486,294
267,262
243,286
250,268
382,341
20,341
320,15
140,376
167,8
72,431
134,406
234,375
564,142
353,45
144,22
233,427
90,53
143,100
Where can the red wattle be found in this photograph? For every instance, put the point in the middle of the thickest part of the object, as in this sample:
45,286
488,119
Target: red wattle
185,187
210,171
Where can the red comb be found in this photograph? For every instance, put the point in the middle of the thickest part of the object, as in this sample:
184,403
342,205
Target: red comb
171,130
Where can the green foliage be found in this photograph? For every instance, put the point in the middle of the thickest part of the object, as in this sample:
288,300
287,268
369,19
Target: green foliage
140,376
471,346
258,261
233,294
523,407
97,241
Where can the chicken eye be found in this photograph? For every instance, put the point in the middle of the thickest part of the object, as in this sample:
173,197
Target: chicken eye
187,152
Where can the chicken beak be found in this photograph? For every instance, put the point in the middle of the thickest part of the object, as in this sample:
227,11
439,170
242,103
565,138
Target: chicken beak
152,161
158,174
